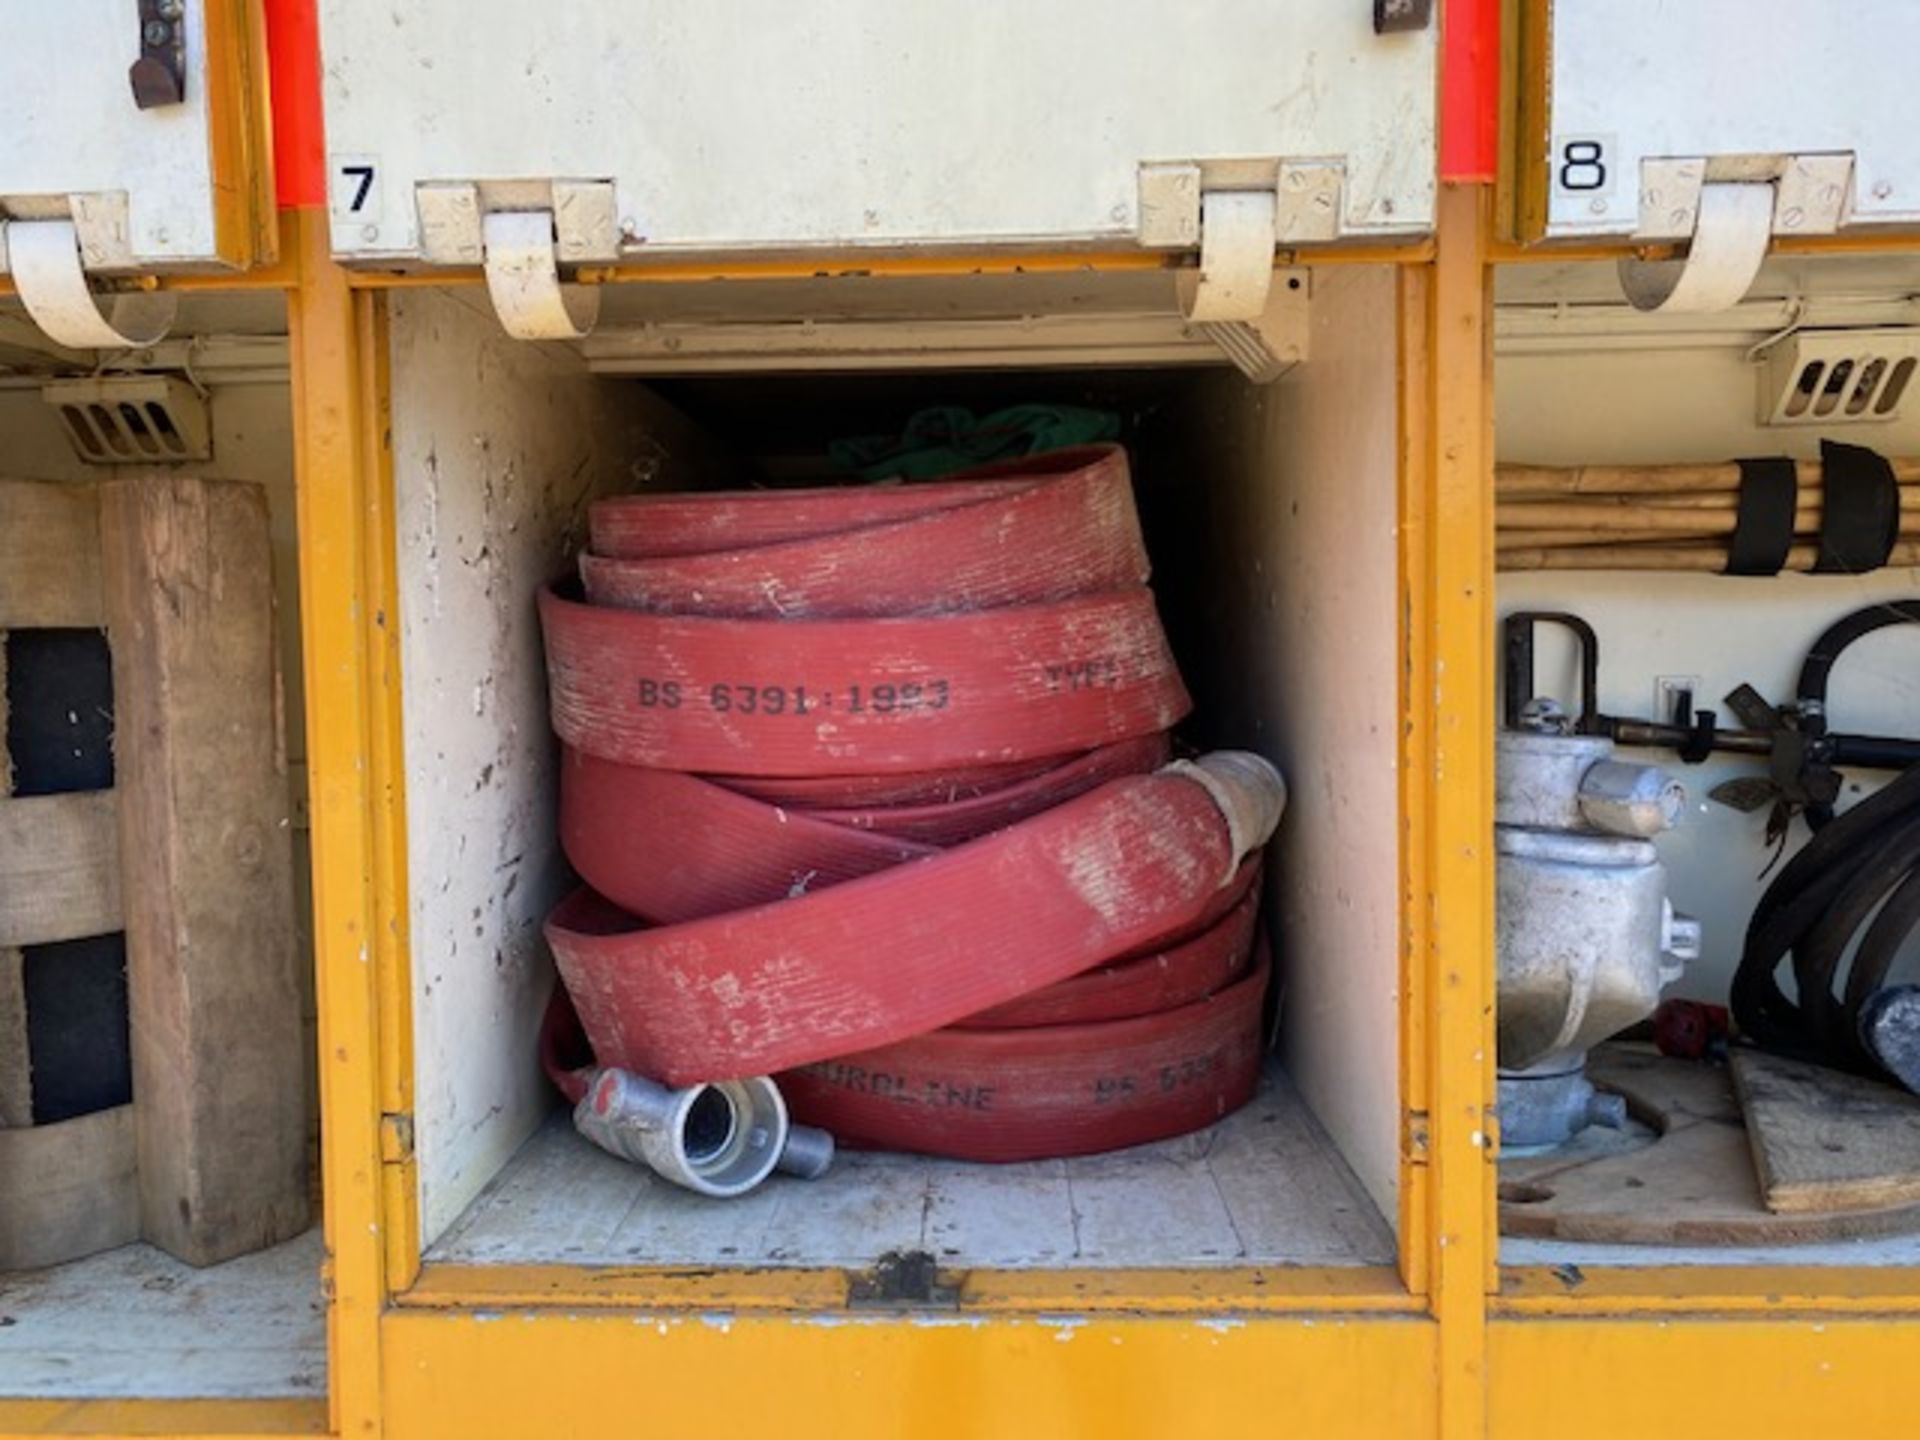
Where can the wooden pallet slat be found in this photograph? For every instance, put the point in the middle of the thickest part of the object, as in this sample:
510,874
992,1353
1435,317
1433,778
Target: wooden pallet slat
59,867
206,866
49,555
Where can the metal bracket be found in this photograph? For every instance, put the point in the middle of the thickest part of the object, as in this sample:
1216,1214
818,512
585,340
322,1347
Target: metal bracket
1239,213
159,76
1730,208
521,232
1392,16
48,253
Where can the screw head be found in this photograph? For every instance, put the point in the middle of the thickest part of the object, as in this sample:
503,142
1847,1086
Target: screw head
1598,207
369,232
1882,190
157,33
1792,217
171,9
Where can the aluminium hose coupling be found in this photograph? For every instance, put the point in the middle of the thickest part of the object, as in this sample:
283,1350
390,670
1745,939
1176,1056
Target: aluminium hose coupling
721,1138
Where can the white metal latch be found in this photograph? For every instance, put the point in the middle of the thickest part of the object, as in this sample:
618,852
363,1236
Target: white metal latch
521,232
1730,207
48,247
1238,213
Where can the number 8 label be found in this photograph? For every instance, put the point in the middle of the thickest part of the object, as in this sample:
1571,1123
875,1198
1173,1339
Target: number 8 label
1583,165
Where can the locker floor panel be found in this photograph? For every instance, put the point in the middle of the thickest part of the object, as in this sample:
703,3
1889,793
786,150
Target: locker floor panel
134,1322
1264,1187
1882,1250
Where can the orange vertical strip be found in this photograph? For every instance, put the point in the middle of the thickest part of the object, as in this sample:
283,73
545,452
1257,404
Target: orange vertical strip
1458,616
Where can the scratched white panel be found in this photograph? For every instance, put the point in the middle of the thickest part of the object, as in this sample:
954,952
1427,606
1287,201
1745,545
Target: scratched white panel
766,124
68,124
1633,79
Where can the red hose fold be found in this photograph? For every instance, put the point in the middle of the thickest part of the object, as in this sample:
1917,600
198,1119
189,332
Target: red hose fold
845,767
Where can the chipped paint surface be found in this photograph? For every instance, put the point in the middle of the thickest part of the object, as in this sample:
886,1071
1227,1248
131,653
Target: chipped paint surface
498,447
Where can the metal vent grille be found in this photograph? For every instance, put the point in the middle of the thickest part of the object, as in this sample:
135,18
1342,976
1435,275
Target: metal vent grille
132,420
1838,377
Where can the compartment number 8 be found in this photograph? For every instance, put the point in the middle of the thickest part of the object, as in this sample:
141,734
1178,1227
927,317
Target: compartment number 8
1583,165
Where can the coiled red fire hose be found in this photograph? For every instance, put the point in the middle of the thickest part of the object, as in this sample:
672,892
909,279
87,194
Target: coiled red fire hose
876,762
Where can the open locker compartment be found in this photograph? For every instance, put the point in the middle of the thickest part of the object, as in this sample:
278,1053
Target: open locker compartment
131,1321
1269,516
1583,380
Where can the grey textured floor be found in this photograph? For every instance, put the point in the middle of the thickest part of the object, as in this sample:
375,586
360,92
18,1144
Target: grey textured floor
1263,1187
134,1322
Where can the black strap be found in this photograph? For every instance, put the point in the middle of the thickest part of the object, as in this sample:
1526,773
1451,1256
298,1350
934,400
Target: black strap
1859,510
1763,523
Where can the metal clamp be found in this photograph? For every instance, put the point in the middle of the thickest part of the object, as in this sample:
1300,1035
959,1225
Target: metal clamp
159,76
521,233
1730,208
45,258
1238,213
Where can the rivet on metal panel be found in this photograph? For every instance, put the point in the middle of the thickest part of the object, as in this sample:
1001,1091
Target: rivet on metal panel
1170,206
1311,201
1669,198
1815,194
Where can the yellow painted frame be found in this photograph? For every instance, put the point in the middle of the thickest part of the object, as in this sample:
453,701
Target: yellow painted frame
1447,1346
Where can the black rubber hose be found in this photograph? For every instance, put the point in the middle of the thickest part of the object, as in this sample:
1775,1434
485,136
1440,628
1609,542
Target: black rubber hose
1859,872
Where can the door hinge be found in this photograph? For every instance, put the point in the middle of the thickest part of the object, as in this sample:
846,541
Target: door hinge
1238,213
1729,208
521,233
396,1137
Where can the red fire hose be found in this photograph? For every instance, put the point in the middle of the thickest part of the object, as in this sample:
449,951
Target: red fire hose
871,763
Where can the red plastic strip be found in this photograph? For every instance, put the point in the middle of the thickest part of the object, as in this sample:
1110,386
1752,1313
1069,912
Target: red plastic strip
891,955
1006,1095
299,130
813,697
1470,91
1076,534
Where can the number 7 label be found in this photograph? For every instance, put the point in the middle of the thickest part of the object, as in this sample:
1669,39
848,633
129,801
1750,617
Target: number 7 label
353,183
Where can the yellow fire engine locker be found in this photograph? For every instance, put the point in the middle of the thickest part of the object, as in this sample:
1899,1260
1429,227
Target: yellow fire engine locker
1327,287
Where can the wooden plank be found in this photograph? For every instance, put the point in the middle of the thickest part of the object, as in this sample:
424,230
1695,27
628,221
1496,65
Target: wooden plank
16,1071
206,866
59,867
1827,1141
68,1190
1690,1183
49,555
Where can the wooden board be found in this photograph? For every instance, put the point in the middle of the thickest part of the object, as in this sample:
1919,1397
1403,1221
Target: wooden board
49,555
16,1072
206,866
1693,1183
59,867
68,1190
1823,1140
